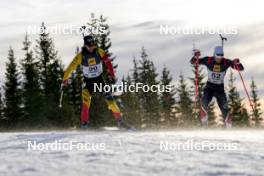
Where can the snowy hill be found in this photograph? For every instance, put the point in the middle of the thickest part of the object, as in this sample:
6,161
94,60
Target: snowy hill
196,152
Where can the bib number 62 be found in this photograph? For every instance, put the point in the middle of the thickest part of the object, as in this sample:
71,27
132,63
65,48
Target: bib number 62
216,76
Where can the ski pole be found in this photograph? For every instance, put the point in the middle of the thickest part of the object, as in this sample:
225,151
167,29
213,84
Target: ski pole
196,79
82,29
196,83
245,88
222,39
61,96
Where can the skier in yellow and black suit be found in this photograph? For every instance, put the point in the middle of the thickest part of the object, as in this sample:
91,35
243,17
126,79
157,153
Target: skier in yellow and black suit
92,60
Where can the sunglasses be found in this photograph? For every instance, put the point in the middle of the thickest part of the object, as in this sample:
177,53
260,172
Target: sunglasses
219,55
90,44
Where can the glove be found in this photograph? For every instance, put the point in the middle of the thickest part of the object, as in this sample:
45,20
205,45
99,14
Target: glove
236,63
196,53
64,83
112,79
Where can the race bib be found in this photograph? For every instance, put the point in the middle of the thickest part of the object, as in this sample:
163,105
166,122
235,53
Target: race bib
92,71
216,77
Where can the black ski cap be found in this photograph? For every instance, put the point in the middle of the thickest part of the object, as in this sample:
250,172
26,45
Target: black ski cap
89,40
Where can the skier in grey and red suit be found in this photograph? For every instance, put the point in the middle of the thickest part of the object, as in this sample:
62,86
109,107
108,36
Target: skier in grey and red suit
217,66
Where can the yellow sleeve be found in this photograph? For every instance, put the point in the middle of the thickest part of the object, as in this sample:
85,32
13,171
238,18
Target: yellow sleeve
77,60
101,52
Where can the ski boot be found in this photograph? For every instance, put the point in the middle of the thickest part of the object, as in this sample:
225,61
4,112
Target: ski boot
204,117
204,121
228,121
122,124
84,126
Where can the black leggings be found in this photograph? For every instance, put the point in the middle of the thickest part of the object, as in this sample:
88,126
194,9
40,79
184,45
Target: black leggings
217,91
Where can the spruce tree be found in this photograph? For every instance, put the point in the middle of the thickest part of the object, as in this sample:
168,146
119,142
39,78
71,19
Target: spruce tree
131,105
50,66
1,110
167,98
55,71
135,75
237,111
184,103
30,86
149,99
13,110
104,40
51,72
75,87
1,105
132,100
46,55
256,112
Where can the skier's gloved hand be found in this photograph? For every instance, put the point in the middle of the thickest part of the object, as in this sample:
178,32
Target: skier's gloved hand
112,79
236,63
64,83
196,53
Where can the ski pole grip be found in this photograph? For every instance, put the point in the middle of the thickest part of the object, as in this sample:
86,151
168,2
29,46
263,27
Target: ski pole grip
196,53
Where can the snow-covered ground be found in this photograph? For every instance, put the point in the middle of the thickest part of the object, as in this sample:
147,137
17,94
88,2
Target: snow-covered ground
194,152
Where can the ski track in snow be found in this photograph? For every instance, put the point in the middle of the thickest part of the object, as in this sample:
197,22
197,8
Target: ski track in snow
133,153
